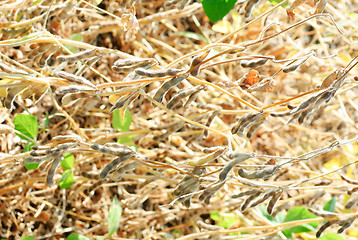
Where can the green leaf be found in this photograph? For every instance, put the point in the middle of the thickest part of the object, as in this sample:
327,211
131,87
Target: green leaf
331,236
215,215
75,37
68,161
47,121
275,2
119,123
32,237
330,205
192,35
299,213
76,236
217,9
30,166
66,180
115,213
27,125
224,220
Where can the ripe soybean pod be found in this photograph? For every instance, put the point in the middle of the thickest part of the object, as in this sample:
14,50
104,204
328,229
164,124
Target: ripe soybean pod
238,158
264,173
157,73
79,56
253,63
164,88
110,167
52,170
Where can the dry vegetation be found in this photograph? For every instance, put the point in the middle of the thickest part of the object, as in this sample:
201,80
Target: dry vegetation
248,128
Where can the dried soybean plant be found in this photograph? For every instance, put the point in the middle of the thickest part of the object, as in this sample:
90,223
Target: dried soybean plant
214,113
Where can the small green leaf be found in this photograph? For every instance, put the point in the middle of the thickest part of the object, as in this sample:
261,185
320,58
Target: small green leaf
330,205
119,123
275,2
76,236
299,213
26,124
75,37
66,180
47,121
192,35
30,166
224,220
217,9
215,215
67,161
32,237
331,236
115,213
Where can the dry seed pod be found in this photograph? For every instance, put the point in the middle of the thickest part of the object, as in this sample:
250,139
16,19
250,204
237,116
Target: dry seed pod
122,101
273,201
111,167
157,73
264,197
71,98
180,95
166,86
264,173
52,170
248,200
65,146
345,224
321,4
265,85
327,81
280,114
324,227
324,214
353,190
132,61
210,119
249,192
253,127
245,121
125,65
193,96
294,65
38,159
239,157
253,63
74,78
79,56
40,152
249,7
75,89
208,158
351,203
209,192
66,138
348,180
118,145
117,175
196,64
111,150
188,185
